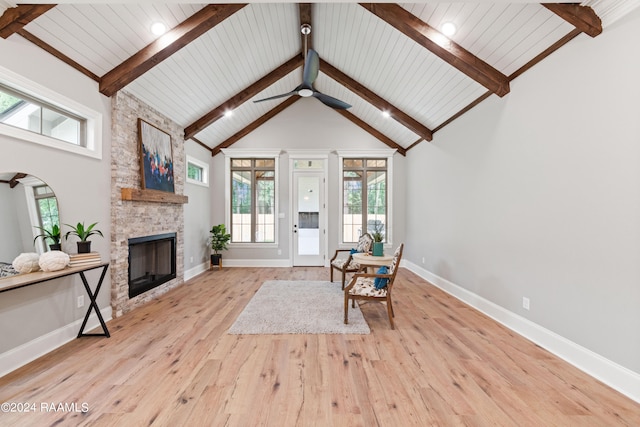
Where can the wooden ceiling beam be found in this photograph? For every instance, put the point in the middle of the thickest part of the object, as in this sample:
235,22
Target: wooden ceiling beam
166,45
255,124
55,52
15,18
377,101
371,130
584,18
305,18
243,96
440,45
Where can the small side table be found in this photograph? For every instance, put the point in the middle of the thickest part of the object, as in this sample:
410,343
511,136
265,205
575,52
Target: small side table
366,260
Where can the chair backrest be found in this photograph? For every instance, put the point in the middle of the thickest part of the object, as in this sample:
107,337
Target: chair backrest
395,264
364,243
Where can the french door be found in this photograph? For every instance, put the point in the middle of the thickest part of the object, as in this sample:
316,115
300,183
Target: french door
309,206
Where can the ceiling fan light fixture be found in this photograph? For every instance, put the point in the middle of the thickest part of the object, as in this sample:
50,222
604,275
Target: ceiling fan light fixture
305,93
158,28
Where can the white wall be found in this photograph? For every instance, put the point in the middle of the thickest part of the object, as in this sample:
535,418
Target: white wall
307,125
82,186
197,216
537,195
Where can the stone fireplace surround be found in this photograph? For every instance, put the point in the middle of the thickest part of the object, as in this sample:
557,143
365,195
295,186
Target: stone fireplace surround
131,219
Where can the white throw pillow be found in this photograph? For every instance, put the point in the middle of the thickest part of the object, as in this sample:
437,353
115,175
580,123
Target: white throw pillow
53,261
26,262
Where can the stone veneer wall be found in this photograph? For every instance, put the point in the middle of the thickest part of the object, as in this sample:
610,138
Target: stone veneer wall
134,218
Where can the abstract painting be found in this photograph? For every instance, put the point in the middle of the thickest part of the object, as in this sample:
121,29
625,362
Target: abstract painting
156,158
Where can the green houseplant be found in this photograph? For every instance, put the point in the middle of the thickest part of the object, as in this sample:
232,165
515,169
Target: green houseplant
54,235
218,240
378,239
83,233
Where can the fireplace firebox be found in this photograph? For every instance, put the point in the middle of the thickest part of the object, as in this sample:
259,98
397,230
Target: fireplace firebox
152,262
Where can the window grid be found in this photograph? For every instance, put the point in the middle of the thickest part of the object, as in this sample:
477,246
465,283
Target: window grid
357,195
253,200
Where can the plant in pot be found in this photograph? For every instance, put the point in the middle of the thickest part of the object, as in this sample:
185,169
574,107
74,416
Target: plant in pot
218,240
54,235
378,239
83,233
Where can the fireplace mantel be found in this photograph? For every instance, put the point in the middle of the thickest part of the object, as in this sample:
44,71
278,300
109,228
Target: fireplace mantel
137,194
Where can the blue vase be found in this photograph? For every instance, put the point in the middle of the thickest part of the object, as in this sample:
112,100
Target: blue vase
378,249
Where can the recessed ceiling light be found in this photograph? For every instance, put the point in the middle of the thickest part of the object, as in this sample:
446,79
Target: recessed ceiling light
228,113
448,29
386,114
158,28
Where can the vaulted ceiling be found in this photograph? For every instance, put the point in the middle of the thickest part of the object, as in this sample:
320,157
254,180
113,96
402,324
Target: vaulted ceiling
392,58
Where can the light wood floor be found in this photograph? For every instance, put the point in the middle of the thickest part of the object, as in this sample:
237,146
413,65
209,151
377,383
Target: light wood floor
171,363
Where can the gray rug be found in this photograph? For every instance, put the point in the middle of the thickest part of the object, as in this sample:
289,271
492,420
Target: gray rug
298,307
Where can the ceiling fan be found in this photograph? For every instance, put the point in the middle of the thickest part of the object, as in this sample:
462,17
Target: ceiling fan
309,74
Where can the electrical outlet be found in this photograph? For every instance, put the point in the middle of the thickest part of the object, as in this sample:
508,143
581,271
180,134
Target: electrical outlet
191,260
279,251
423,260
81,301
525,303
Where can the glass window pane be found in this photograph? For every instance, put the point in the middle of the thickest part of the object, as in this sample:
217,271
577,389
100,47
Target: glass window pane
241,163
265,163
308,164
59,126
241,206
265,217
376,163
352,163
194,172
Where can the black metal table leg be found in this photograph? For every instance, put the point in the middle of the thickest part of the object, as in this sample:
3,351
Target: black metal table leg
93,305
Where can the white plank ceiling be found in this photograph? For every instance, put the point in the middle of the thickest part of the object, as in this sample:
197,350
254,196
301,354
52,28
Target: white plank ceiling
262,36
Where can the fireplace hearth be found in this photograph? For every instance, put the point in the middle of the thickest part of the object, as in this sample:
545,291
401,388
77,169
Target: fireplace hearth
152,262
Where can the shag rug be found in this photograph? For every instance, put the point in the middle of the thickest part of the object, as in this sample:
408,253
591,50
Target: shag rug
298,307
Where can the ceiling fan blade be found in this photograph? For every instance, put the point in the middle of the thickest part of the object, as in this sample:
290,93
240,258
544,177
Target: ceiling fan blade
311,67
331,101
293,92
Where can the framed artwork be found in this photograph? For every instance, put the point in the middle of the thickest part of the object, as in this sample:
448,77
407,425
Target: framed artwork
156,158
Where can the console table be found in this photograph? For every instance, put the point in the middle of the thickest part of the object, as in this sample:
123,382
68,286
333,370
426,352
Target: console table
28,279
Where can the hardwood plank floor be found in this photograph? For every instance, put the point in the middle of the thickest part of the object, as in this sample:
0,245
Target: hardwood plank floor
171,363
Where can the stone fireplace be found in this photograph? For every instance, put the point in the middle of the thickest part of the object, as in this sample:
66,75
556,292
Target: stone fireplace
138,218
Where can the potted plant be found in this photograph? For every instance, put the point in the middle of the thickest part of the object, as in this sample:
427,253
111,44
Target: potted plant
54,235
378,238
218,241
83,233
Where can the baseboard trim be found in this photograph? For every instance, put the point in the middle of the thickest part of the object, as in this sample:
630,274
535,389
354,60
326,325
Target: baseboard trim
615,376
30,351
193,272
255,263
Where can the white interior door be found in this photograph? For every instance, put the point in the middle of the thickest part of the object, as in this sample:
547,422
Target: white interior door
308,219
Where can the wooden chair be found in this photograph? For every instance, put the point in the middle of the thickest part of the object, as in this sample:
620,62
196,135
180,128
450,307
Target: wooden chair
348,265
362,287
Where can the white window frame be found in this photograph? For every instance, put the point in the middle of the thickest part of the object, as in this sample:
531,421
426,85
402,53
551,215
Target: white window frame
205,171
367,154
242,153
93,118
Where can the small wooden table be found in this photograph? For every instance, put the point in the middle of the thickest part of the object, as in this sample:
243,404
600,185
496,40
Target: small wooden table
366,260
28,279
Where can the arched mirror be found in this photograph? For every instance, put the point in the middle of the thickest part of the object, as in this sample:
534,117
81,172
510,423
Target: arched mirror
29,217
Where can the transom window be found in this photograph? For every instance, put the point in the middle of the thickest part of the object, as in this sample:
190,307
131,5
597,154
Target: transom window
253,200
197,172
364,202
25,112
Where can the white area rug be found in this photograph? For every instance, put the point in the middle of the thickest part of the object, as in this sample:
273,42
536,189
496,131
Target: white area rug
298,307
